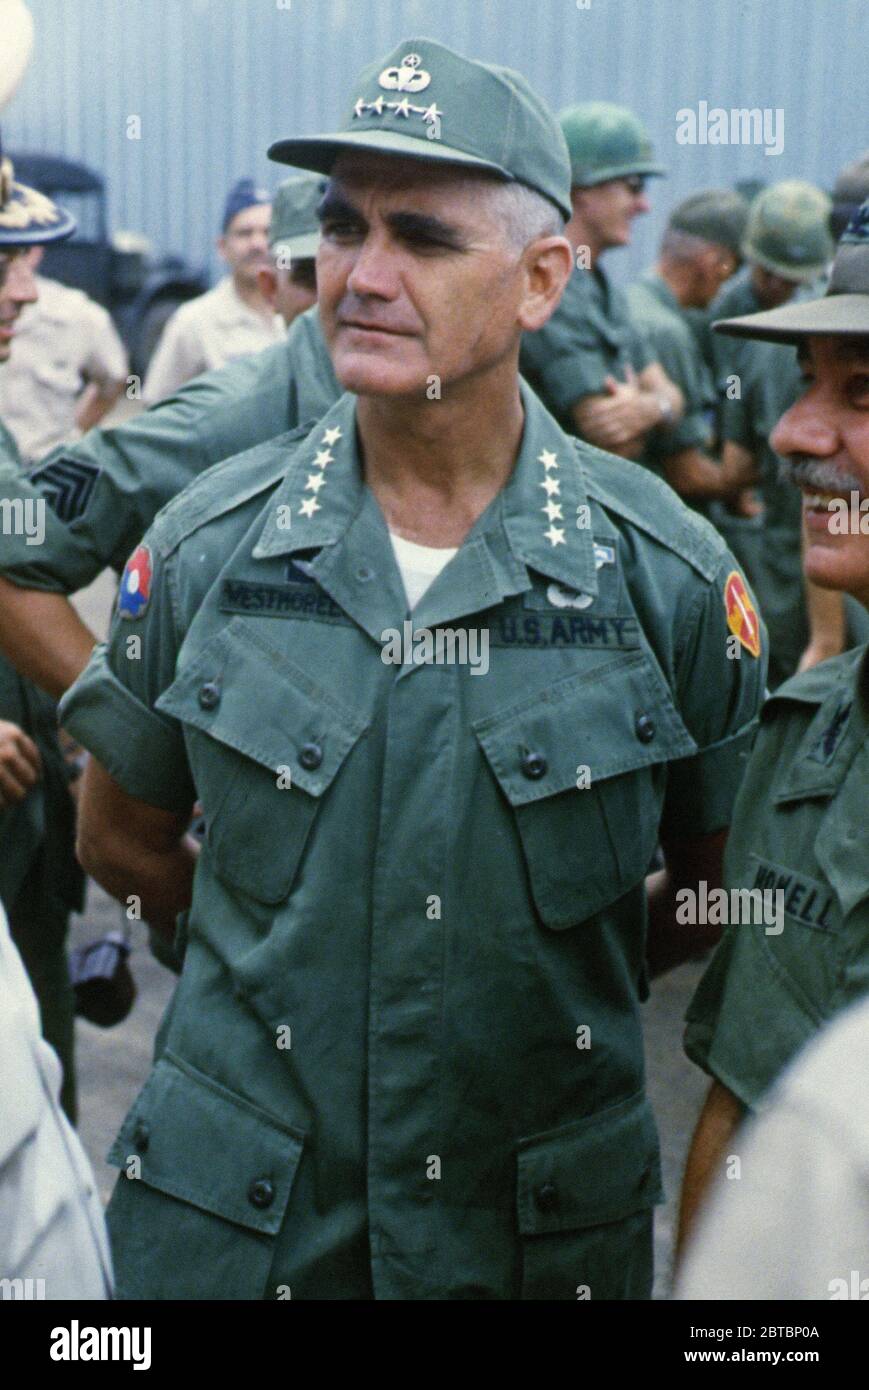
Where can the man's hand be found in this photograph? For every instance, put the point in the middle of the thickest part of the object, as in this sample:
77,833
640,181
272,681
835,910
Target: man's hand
20,764
619,418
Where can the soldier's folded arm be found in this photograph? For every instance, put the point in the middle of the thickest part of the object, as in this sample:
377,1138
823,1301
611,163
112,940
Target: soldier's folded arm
138,792
130,847
44,637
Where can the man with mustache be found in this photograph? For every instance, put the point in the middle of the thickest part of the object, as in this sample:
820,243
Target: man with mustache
232,320
799,824
404,1058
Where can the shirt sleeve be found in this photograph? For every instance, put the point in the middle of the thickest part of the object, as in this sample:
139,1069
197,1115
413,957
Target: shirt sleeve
106,360
720,688
790,1223
569,356
110,708
176,360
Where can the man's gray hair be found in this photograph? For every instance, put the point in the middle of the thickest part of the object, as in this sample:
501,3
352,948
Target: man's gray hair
524,214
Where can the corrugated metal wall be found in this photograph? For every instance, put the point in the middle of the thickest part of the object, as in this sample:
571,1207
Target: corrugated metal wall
214,81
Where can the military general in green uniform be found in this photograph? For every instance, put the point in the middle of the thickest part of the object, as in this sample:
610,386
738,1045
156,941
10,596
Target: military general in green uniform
591,364
800,820
442,678
40,881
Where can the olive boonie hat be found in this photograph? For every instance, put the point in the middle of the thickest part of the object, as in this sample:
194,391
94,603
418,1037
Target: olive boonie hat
788,231
717,214
843,310
606,142
425,101
295,229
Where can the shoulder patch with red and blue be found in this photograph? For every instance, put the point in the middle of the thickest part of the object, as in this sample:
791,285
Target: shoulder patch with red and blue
135,590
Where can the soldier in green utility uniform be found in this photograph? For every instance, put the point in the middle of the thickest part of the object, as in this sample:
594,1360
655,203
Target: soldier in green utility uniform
799,827
40,881
404,1058
591,365
700,249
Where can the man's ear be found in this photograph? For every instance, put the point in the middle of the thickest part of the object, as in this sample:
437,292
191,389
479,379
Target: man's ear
548,267
267,282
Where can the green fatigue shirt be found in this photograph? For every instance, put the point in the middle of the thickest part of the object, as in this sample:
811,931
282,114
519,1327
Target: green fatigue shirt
105,491
404,1058
40,879
590,336
657,312
799,827
44,819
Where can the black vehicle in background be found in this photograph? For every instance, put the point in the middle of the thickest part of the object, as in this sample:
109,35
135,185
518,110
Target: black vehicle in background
139,291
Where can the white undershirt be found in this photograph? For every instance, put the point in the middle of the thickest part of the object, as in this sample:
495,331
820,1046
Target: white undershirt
419,565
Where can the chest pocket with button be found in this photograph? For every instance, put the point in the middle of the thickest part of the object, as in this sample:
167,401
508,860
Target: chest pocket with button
265,743
583,765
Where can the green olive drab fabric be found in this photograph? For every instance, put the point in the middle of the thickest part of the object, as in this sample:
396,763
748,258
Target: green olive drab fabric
656,311
374,1078
590,336
104,492
40,880
799,828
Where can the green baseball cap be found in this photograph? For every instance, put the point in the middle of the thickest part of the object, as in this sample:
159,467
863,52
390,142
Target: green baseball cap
843,310
606,142
788,231
717,214
295,229
425,101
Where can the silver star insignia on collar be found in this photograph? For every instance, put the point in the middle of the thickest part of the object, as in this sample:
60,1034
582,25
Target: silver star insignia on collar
555,535
309,506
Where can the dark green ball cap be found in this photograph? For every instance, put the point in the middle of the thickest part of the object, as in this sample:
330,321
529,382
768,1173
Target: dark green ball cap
606,142
843,310
424,101
717,214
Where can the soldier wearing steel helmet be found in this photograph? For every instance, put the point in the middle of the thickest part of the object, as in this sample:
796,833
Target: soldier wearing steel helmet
591,364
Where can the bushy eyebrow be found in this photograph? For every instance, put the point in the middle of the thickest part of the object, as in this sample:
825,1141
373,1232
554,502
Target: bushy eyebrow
413,225
853,351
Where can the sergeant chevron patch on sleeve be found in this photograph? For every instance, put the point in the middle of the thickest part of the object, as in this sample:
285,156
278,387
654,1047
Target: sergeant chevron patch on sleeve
66,484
